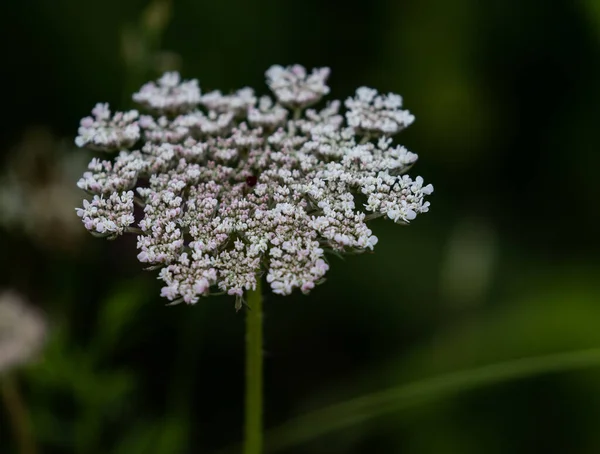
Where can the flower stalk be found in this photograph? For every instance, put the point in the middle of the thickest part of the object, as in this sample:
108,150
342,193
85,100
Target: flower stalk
253,426
17,415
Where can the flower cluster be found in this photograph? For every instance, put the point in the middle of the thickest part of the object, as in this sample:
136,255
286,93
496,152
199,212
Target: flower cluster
232,186
106,132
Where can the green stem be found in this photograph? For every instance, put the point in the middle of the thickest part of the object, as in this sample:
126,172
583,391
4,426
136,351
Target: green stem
17,415
253,431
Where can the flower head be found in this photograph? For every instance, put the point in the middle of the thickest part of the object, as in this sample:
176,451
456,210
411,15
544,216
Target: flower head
234,186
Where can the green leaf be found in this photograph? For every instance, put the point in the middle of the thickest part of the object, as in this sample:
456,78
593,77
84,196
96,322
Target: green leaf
358,410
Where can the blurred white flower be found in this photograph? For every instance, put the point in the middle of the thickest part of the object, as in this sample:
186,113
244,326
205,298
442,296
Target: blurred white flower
22,331
36,190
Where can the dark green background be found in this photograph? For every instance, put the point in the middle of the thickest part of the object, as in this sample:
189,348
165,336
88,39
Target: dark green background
505,265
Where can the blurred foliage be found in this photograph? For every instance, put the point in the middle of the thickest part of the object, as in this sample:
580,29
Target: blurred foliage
504,267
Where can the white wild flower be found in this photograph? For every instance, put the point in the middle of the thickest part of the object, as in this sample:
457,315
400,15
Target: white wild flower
234,186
